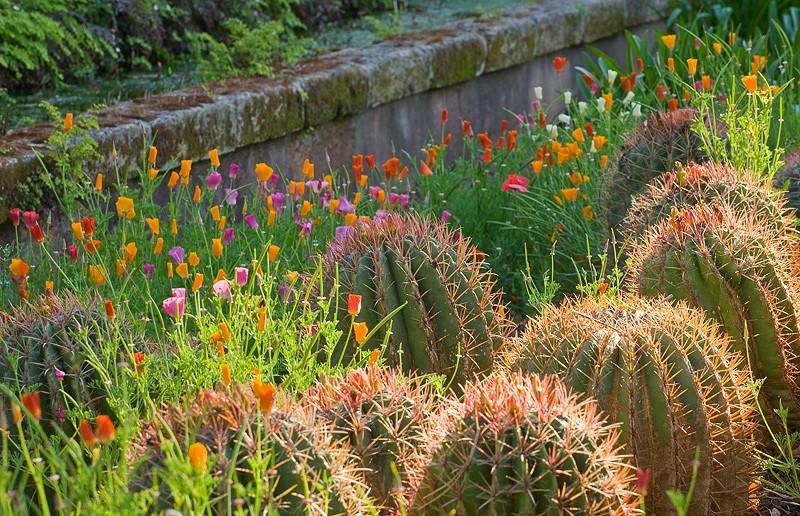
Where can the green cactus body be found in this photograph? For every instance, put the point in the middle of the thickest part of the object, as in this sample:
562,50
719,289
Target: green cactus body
702,183
47,347
386,420
306,473
742,273
447,324
647,153
521,444
667,376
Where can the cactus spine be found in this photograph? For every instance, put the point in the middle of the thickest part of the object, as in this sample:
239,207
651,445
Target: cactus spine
702,183
744,274
385,417
523,445
667,376
448,323
47,346
648,152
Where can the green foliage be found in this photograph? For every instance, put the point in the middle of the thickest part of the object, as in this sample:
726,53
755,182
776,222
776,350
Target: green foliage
72,152
247,51
746,146
273,461
48,39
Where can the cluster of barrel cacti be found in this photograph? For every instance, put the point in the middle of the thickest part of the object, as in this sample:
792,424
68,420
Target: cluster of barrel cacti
597,407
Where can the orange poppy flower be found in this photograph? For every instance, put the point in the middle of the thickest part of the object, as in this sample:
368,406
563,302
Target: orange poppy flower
105,429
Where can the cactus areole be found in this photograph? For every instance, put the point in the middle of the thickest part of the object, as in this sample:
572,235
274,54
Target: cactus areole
446,314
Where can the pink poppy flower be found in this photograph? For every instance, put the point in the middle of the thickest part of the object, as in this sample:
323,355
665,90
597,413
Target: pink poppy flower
515,182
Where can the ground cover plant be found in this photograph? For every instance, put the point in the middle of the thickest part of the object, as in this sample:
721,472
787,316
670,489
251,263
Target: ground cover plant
181,337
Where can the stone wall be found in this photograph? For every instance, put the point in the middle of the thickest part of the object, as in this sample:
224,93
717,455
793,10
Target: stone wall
372,100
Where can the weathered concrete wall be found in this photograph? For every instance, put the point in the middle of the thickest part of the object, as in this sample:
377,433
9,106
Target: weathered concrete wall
372,100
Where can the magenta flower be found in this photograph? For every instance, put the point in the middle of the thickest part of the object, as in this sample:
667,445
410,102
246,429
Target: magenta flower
174,306
277,201
179,292
273,180
59,374
305,227
241,274
233,170
343,232
375,192
251,221
316,185
285,293
230,196
223,289
177,254
446,216
228,235
149,269
213,180
401,199
345,206
381,215
72,250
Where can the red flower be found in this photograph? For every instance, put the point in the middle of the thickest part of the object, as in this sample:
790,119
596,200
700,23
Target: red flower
444,116
639,64
515,182
558,63
466,127
588,80
15,214
370,159
36,233
72,251
642,480
88,225
138,361
30,218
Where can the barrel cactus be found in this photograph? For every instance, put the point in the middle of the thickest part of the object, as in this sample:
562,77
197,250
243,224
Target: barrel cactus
522,444
47,346
743,273
648,152
384,416
702,183
448,323
667,375
303,470
788,179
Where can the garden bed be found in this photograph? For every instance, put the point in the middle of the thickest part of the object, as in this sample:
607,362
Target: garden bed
238,114
588,305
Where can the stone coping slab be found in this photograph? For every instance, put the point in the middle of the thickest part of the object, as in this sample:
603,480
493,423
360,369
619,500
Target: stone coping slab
243,112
